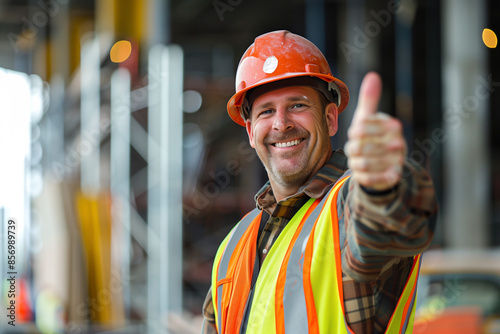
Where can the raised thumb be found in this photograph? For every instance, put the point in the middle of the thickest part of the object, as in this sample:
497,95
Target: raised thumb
369,96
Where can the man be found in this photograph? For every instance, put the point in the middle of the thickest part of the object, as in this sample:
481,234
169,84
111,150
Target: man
327,250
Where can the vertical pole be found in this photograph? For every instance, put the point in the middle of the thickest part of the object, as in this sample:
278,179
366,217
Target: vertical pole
158,22
315,23
15,138
434,101
59,31
164,184
353,63
53,128
90,113
404,68
466,91
120,173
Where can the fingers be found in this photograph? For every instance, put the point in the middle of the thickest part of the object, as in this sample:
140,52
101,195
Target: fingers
376,125
379,181
375,164
376,147
369,97
375,138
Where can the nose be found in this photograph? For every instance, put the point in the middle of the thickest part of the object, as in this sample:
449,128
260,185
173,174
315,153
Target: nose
282,121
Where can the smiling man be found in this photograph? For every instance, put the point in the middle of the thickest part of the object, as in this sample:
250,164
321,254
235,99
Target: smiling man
328,249
288,130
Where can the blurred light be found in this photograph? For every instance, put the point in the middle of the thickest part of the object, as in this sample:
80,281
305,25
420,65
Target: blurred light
490,38
35,133
191,101
120,51
36,153
193,135
36,182
35,232
15,112
37,98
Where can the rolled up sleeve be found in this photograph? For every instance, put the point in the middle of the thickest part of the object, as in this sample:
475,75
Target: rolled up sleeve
383,227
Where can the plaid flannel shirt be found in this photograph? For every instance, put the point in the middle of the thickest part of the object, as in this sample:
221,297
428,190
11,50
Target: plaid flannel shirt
380,232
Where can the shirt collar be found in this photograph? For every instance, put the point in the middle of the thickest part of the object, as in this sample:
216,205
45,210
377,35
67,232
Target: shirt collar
315,187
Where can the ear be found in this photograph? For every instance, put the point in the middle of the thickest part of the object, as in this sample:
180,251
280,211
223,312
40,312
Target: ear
332,118
248,125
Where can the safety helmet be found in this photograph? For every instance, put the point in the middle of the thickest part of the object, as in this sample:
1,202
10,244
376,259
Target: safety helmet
282,55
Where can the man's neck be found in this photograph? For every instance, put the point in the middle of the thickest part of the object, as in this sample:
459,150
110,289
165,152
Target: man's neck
281,192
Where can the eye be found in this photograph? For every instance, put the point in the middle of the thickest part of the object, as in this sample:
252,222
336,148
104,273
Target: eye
265,112
298,106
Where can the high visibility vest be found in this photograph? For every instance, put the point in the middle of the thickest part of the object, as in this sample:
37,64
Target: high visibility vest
299,286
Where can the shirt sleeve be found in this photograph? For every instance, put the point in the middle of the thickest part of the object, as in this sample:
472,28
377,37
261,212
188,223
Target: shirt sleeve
208,315
382,228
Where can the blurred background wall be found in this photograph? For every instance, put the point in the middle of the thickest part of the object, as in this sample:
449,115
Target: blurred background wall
122,171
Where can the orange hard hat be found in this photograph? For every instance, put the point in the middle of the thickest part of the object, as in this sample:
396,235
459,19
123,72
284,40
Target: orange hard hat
281,55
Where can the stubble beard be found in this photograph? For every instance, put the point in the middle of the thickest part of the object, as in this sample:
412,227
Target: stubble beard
292,177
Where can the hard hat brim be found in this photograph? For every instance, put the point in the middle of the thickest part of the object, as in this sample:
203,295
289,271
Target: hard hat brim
235,102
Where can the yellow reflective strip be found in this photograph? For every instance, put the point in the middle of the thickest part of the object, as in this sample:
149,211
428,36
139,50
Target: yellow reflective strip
295,314
215,268
323,273
398,317
409,329
262,314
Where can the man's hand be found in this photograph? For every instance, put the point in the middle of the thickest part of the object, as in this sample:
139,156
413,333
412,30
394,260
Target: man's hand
376,147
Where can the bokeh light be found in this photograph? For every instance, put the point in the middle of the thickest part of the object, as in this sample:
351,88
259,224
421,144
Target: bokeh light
192,101
490,38
120,51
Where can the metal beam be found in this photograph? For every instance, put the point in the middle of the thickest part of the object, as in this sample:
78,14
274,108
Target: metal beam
466,92
164,185
120,173
90,115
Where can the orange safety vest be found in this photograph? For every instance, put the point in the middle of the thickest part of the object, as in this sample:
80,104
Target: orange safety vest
299,286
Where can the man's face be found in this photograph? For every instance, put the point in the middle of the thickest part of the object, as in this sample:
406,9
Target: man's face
290,130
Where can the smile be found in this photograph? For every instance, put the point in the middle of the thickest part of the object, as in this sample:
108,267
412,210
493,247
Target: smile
288,143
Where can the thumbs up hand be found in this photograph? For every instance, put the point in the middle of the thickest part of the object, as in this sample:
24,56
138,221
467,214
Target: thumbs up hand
376,147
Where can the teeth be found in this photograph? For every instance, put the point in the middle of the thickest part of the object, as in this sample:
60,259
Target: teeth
287,144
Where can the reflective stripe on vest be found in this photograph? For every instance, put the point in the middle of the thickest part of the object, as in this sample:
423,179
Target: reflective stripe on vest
299,287
236,285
